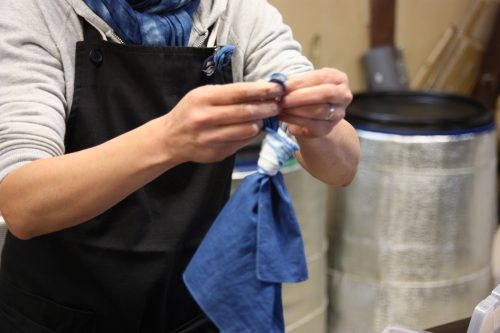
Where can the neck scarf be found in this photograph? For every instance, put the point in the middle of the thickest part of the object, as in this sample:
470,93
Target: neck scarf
148,22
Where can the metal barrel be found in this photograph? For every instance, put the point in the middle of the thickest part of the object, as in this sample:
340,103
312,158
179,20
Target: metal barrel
305,304
410,239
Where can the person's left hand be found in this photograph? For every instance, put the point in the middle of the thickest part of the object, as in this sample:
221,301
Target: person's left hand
315,102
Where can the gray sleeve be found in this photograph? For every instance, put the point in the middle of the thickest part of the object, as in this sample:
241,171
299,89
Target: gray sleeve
32,88
271,46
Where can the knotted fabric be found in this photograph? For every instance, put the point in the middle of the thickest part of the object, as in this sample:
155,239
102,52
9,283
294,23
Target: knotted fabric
253,247
148,22
220,59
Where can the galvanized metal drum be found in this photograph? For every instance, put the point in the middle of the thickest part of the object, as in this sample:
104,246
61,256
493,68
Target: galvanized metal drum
410,239
305,304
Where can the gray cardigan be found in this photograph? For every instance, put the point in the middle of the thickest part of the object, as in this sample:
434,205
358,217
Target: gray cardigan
37,63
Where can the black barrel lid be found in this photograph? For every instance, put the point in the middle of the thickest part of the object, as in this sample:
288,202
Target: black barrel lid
418,112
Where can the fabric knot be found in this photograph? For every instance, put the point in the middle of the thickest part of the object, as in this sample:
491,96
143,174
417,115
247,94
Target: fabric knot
220,59
223,56
279,78
276,147
273,122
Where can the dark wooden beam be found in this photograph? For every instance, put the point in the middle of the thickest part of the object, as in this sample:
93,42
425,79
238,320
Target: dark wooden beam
488,85
382,22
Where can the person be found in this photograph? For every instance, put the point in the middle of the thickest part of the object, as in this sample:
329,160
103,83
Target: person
117,151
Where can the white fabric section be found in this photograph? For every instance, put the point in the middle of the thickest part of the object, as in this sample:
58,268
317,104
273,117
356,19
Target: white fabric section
276,149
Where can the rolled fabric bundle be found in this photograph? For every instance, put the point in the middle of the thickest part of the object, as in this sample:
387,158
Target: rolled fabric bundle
254,246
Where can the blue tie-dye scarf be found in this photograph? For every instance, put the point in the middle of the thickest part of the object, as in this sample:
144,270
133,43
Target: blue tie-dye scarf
148,22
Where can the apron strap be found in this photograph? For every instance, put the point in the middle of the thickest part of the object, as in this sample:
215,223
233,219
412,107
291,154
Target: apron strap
90,33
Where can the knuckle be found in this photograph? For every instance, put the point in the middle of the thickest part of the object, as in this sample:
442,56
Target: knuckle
325,73
330,91
193,94
348,97
199,119
342,77
327,70
254,129
190,97
335,74
201,93
248,110
275,109
240,93
269,109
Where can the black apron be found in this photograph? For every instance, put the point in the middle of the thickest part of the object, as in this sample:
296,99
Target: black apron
121,271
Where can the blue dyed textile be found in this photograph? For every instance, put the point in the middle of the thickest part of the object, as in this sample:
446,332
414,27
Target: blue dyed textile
220,59
148,22
253,247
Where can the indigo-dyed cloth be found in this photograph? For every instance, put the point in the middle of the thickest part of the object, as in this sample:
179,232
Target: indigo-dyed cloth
254,245
220,59
148,22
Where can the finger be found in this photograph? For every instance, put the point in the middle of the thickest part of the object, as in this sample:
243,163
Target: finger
240,113
317,77
319,112
321,94
242,92
233,133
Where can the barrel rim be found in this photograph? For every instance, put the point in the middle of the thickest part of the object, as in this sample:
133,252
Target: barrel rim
481,120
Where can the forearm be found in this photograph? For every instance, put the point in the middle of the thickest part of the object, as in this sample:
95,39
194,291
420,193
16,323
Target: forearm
333,158
52,194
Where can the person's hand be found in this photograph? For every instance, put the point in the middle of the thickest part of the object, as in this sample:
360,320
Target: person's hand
212,122
315,102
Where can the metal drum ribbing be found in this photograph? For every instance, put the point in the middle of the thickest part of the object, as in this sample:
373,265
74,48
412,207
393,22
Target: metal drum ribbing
305,304
410,239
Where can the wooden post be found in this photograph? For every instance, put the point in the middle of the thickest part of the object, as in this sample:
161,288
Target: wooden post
382,22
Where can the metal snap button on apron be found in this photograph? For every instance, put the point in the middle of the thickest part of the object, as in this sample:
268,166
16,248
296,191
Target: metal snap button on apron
96,57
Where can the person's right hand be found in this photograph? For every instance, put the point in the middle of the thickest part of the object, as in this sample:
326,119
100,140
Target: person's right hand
212,122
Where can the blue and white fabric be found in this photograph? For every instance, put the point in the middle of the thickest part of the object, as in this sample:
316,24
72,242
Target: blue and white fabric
148,22
253,247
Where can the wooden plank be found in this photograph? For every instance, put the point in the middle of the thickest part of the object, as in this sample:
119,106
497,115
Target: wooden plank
461,72
454,63
428,72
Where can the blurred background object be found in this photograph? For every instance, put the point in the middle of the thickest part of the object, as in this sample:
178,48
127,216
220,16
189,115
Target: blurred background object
386,69
384,62
454,64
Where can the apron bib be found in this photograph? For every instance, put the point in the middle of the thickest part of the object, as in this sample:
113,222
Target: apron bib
121,271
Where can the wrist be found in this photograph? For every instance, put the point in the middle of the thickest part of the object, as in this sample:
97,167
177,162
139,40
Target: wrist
163,149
